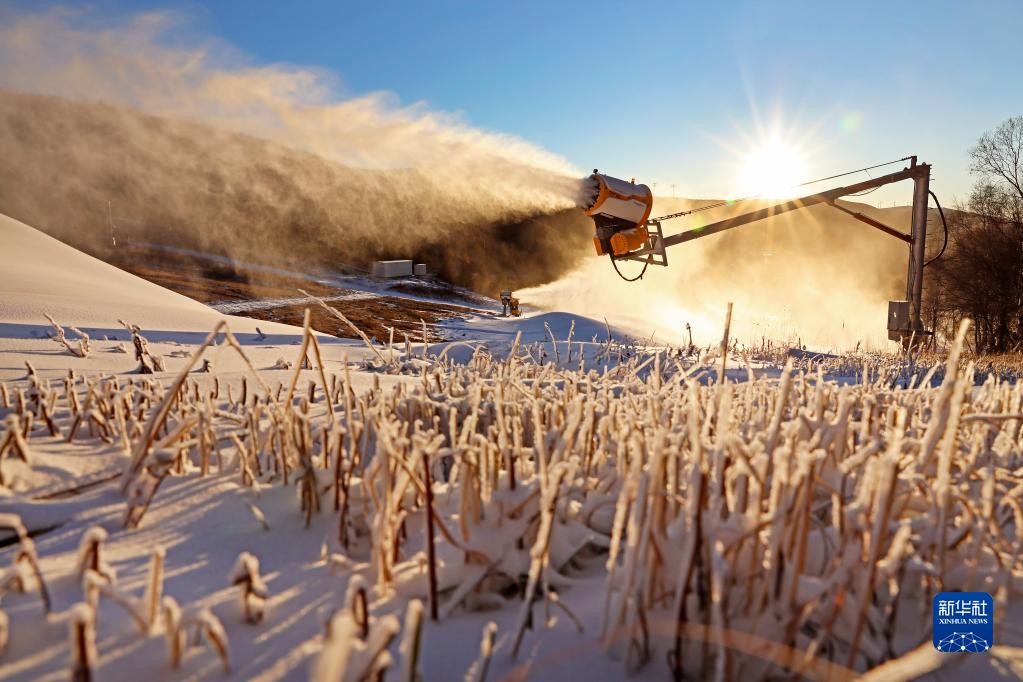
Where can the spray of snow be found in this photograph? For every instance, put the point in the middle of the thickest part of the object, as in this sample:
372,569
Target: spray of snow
255,160
815,277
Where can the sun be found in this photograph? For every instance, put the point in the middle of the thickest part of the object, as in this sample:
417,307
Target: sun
773,168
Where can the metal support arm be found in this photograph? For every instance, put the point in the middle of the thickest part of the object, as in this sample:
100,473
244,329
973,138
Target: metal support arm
654,253
873,223
794,204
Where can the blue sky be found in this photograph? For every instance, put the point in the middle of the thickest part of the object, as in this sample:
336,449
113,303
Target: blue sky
668,92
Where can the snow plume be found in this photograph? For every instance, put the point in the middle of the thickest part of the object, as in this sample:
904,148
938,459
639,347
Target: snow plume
813,276
259,161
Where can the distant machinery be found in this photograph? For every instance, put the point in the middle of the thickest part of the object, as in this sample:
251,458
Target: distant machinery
509,304
624,230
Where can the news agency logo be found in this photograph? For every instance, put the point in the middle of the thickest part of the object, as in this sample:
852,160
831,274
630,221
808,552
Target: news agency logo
963,622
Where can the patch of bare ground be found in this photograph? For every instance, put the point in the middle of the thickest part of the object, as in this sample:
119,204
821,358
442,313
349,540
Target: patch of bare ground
373,316
209,282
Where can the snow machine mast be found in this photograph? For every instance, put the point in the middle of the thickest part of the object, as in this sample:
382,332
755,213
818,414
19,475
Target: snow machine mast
624,230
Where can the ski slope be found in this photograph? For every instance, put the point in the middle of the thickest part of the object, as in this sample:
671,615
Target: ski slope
42,275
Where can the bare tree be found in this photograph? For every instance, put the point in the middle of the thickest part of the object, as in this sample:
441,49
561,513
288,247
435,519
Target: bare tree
998,155
981,274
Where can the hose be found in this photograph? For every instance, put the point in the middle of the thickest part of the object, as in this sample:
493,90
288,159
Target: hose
944,244
627,279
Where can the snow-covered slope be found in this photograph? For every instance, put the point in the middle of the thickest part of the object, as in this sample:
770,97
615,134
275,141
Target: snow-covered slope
41,275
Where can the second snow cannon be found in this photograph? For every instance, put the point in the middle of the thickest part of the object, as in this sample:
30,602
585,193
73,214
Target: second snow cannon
619,209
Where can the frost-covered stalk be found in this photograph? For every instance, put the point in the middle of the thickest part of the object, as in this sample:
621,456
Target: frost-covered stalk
622,507
431,557
370,658
95,585
254,591
571,333
26,555
539,553
154,586
213,632
696,500
635,554
357,604
411,638
80,349
554,344
478,671
945,465
5,631
323,381
884,490
724,343
91,581
174,631
383,527
719,622
91,554
82,635
332,663
15,441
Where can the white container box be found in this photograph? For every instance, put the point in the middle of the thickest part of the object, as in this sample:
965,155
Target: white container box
392,268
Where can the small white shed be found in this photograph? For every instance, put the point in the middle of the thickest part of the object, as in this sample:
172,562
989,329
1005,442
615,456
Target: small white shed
392,268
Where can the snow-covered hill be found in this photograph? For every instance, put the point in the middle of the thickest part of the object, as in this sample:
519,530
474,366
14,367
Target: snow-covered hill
41,275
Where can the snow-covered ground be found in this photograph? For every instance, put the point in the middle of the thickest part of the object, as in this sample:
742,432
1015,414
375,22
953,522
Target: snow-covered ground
581,482
44,276
69,488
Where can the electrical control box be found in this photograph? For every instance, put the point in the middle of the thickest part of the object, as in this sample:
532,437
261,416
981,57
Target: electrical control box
898,320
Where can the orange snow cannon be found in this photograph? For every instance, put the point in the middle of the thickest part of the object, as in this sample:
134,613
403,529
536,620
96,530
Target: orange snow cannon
624,242
619,209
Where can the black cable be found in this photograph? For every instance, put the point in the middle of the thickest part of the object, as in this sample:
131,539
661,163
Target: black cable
642,272
943,223
860,170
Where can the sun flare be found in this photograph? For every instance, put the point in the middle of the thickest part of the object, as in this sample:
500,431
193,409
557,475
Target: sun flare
772,168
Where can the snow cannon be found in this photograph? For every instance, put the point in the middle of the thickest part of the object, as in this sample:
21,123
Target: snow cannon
619,209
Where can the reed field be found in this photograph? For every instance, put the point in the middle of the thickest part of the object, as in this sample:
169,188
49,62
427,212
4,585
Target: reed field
787,525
